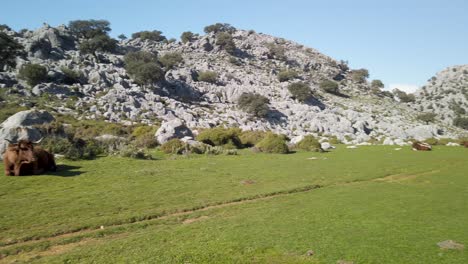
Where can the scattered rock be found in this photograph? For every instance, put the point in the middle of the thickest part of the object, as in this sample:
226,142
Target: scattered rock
453,144
351,147
172,129
450,244
326,146
310,253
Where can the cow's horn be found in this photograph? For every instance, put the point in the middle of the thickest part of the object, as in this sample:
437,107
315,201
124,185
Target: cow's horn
39,141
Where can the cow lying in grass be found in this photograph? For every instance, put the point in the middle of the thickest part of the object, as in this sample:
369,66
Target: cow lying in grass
23,158
421,146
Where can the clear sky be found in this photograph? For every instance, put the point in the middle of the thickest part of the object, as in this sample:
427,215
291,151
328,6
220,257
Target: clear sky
403,43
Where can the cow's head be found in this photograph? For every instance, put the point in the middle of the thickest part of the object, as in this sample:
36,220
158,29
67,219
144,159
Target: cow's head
24,150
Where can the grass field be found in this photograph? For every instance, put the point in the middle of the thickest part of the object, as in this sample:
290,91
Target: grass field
373,204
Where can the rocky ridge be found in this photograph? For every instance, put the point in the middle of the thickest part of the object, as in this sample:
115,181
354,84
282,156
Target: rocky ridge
106,91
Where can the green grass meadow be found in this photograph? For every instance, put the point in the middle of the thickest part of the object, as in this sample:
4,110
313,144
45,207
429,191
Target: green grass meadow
373,204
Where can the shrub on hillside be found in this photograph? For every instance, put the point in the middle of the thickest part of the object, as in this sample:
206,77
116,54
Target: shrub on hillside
219,27
173,146
143,137
254,104
143,67
461,122
309,143
377,84
301,91
101,43
276,51
273,143
329,86
171,59
207,76
134,152
154,35
427,117
9,50
404,97
187,36
360,75
219,136
251,138
287,75
225,41
71,76
89,28
33,74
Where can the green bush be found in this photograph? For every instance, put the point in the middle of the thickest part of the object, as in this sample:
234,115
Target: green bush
207,76
9,50
143,67
225,41
461,122
276,51
122,37
427,117
301,91
134,153
171,59
273,143
377,84
143,137
329,86
286,75
360,75
251,138
173,146
219,136
219,27
33,74
154,35
309,143
404,97
187,36
71,76
101,43
254,104
89,28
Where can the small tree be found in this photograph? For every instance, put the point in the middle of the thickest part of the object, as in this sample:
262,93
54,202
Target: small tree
208,76
154,35
329,86
101,43
187,36
170,60
286,75
461,122
143,67
9,50
33,74
89,28
276,51
224,40
404,97
377,84
254,104
309,143
219,27
301,91
360,75
427,117
273,143
122,37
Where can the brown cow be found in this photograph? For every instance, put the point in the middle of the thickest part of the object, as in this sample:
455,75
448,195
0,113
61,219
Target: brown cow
421,146
24,158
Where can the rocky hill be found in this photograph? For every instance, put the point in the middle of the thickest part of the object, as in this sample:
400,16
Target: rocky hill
357,113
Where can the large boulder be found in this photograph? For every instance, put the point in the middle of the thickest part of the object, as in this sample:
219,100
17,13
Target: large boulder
422,132
22,126
172,129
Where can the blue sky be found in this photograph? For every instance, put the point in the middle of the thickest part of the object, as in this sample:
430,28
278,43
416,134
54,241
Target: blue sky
403,43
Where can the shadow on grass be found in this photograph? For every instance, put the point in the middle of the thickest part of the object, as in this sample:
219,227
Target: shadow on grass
62,171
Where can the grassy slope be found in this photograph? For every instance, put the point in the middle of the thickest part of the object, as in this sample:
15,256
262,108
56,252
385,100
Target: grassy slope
365,221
